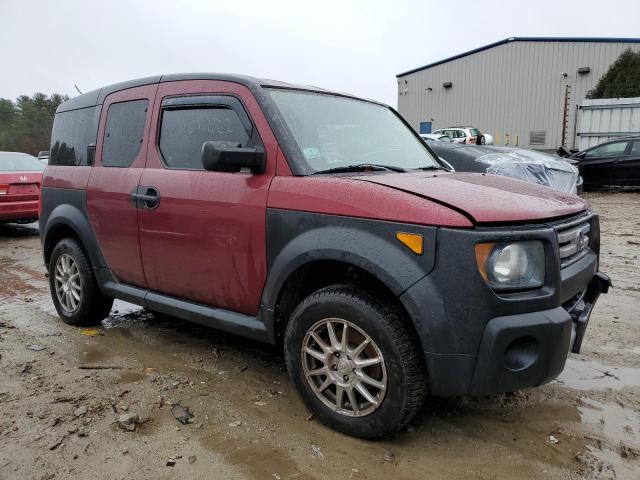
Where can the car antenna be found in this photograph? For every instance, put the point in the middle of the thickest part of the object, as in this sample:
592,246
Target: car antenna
77,89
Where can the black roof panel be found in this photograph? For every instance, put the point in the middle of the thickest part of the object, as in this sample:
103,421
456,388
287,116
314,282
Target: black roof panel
96,97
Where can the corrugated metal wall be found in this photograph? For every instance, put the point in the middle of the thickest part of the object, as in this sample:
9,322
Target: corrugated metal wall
510,91
605,119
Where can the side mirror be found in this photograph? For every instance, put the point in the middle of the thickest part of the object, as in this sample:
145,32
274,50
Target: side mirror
231,157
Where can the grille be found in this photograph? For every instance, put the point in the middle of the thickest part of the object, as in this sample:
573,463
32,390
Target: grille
573,242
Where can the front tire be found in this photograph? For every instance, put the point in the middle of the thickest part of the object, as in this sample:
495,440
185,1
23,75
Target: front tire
75,293
368,383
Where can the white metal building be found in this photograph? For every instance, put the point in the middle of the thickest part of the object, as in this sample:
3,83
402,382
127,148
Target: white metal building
524,91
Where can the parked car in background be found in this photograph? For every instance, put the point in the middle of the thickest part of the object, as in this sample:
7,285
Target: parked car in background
310,220
468,135
20,180
43,156
616,162
436,137
529,165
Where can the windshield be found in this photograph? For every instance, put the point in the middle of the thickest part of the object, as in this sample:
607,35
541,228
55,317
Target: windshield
20,162
333,132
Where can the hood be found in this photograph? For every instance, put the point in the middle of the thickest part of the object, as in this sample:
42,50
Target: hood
484,198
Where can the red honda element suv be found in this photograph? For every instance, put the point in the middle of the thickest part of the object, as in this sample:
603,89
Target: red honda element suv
320,222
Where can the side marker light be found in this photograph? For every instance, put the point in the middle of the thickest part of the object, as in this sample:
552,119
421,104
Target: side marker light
412,240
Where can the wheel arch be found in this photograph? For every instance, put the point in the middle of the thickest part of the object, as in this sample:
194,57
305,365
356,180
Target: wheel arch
309,251
315,274
68,221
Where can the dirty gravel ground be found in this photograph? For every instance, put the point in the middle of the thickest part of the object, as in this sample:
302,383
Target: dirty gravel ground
60,421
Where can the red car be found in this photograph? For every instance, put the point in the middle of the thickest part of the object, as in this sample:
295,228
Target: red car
321,223
20,179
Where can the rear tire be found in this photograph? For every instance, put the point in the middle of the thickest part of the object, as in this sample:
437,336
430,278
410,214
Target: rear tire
74,290
392,350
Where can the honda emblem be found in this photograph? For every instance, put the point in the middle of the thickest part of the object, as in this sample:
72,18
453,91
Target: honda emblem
23,178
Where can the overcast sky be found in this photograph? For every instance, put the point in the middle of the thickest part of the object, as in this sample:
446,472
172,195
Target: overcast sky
357,47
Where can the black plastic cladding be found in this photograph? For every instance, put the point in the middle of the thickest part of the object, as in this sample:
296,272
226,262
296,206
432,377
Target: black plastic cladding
67,208
257,86
451,328
296,238
466,297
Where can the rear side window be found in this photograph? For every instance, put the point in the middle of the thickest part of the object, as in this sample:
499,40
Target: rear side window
635,148
124,133
72,133
183,131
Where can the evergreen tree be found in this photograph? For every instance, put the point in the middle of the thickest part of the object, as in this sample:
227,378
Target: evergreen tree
7,116
25,125
622,80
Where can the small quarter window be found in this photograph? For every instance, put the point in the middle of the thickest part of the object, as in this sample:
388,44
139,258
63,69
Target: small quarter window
124,133
183,131
73,131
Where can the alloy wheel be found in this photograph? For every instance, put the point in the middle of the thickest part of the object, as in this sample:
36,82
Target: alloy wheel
67,282
344,367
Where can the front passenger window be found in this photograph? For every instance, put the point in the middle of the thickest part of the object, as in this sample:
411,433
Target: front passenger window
183,131
608,150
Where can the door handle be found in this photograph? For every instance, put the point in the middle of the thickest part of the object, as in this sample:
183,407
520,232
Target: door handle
147,198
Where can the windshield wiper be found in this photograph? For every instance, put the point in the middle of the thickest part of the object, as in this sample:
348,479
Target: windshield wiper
360,168
431,167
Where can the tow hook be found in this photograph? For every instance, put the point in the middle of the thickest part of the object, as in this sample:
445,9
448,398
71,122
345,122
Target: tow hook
599,284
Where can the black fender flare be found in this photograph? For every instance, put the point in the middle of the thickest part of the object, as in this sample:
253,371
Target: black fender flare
371,245
71,217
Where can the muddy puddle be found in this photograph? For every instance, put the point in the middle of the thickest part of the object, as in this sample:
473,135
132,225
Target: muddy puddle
583,374
613,421
125,314
616,431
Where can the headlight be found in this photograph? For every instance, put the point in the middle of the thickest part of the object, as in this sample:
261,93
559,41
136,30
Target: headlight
512,266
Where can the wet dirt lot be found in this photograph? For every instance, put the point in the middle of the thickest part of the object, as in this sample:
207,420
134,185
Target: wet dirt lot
60,406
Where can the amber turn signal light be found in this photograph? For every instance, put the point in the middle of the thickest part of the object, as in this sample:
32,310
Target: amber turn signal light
482,255
411,240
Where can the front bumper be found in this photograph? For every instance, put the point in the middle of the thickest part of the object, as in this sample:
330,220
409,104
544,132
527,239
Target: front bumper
530,349
479,341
